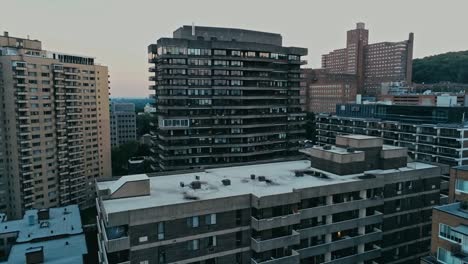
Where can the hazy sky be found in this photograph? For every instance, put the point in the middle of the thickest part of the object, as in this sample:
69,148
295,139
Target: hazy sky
117,32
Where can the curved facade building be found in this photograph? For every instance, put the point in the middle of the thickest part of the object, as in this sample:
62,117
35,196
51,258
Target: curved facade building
225,96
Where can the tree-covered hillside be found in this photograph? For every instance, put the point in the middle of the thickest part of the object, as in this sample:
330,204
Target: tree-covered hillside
446,67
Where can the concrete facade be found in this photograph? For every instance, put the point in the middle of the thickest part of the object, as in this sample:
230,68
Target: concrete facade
286,212
243,93
123,123
55,126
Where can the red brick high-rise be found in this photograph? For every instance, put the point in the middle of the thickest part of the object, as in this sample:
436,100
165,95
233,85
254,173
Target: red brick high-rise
373,64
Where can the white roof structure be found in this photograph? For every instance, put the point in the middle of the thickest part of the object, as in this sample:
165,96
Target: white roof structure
58,251
167,190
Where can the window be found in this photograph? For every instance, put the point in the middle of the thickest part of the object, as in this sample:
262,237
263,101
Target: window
461,186
264,55
236,53
236,82
212,241
192,221
445,231
144,262
219,52
142,239
210,219
161,230
250,54
193,245
221,63
236,63
161,255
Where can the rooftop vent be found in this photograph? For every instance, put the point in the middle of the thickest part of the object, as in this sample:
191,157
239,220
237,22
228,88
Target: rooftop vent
299,173
195,185
44,224
182,184
43,214
197,177
34,255
31,220
226,182
190,197
261,178
252,176
327,147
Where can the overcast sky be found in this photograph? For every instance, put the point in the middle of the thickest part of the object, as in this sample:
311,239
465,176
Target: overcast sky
117,32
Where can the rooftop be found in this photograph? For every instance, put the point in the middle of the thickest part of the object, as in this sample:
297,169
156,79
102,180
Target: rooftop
57,251
453,209
463,167
62,221
280,178
228,34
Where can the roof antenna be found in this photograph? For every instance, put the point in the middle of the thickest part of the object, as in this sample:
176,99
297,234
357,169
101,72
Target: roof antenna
193,28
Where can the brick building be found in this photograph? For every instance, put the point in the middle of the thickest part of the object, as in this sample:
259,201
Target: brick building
324,90
373,64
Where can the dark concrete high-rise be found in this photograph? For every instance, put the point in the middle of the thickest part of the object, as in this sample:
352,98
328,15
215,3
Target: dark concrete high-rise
225,96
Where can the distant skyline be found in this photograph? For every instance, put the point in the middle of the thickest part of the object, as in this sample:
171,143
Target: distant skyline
117,32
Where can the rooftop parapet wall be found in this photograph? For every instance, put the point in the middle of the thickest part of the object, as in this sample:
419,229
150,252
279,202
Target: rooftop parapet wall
228,34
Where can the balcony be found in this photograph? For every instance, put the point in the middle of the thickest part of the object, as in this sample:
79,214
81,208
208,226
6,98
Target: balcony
115,238
376,218
340,207
360,257
292,259
341,244
270,223
279,242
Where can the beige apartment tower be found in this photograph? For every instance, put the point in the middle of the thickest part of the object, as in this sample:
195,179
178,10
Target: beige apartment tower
54,127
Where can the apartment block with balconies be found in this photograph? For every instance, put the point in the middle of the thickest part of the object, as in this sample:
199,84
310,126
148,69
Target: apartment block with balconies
55,122
284,212
225,97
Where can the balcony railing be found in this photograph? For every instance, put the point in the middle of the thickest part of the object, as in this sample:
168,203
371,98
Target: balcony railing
279,242
291,259
270,223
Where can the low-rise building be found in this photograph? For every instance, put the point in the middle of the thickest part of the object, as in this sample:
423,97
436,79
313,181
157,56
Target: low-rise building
371,205
449,242
324,90
52,235
428,99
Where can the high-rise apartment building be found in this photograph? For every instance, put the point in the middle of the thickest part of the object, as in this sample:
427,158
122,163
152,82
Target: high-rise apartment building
225,96
123,123
324,90
373,64
357,202
54,119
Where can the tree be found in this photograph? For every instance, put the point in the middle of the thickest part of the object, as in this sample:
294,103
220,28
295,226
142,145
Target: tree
446,67
121,154
143,124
